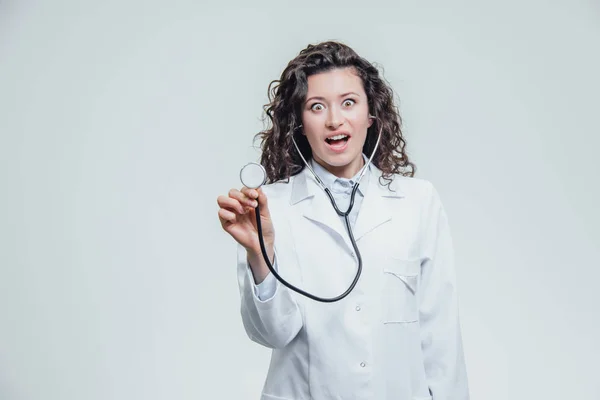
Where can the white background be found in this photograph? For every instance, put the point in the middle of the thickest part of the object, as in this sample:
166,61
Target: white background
122,121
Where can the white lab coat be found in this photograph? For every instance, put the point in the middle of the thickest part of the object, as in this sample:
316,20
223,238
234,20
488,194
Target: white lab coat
397,335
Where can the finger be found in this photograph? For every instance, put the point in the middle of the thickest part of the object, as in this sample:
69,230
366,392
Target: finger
231,204
226,216
252,194
257,194
243,197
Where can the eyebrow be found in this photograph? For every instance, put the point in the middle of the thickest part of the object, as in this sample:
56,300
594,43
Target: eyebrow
322,98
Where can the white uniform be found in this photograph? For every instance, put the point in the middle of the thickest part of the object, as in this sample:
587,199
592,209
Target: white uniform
397,335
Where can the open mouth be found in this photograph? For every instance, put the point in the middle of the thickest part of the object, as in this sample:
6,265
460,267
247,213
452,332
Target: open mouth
337,140
338,143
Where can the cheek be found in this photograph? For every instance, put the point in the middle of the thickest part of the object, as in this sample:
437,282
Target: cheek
361,125
310,134
310,128
360,118
312,139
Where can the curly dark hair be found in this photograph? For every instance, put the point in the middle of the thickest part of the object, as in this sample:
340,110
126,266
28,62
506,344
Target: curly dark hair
286,95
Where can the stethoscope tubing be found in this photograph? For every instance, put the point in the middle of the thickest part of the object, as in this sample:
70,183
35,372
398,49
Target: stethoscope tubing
344,214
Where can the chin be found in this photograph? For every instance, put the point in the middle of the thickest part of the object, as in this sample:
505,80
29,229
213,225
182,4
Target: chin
340,160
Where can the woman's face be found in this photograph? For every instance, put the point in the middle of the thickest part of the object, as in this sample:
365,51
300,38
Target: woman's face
335,117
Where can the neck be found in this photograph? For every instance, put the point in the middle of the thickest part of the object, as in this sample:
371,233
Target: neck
344,171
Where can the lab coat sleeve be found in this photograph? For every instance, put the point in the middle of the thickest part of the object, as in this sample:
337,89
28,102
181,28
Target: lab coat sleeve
266,289
273,322
441,340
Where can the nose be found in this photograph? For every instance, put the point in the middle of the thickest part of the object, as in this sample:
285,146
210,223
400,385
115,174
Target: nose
334,118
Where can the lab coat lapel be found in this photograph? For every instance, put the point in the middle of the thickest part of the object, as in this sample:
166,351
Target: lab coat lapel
318,207
376,208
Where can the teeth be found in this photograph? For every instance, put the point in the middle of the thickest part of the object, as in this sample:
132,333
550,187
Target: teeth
338,137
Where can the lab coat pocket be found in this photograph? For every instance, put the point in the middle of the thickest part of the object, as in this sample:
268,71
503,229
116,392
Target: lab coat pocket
400,286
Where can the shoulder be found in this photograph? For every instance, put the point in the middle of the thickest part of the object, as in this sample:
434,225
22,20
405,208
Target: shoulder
411,187
420,193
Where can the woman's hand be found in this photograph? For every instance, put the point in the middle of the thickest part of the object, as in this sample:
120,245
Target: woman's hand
238,218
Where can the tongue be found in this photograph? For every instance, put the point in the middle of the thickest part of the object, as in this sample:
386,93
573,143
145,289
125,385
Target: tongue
337,144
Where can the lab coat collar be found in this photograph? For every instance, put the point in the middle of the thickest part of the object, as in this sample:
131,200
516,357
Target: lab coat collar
374,210
330,179
304,185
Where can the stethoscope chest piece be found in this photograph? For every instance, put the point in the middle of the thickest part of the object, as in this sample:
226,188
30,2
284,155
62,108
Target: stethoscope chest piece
253,175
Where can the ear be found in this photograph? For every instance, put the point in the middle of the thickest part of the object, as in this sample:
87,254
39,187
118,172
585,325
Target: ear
301,130
371,120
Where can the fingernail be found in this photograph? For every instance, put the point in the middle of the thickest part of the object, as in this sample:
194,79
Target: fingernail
255,203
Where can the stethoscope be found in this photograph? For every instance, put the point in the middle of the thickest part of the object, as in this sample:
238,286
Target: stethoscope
253,175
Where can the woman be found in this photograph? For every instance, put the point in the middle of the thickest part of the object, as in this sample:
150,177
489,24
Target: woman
397,334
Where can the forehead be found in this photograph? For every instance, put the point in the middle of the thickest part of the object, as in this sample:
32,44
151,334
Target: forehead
334,83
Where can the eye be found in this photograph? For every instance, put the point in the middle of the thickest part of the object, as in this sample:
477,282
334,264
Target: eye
313,107
349,101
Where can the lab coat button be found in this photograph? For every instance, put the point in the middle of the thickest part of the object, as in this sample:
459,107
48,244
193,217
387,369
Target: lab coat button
357,308
362,364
